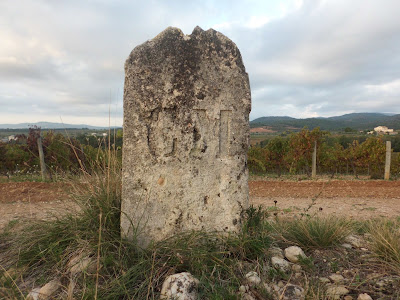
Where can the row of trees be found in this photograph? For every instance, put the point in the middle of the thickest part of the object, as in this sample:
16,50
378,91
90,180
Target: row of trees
61,153
293,155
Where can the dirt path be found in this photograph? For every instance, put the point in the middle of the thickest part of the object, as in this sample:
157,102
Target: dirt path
361,199
356,199
31,200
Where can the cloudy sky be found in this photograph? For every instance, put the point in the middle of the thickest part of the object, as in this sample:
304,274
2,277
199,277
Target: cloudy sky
63,59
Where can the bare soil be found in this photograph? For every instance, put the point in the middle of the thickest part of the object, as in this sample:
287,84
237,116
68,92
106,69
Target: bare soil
359,199
29,200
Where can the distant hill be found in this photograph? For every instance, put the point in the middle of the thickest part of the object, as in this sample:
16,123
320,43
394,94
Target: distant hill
356,121
48,125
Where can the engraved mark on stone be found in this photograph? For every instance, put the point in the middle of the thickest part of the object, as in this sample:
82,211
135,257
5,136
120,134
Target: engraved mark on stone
224,132
160,142
199,132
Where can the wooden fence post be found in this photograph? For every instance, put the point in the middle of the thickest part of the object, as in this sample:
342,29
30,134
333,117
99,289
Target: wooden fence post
41,157
388,159
314,161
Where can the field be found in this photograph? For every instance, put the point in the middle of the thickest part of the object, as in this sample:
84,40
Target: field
358,199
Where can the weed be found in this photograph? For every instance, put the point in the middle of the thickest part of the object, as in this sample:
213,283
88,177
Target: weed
385,241
316,232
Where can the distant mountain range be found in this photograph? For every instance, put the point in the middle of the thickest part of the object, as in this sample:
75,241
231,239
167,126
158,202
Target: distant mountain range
48,125
356,121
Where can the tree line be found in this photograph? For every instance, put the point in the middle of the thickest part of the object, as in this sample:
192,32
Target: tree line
61,153
292,154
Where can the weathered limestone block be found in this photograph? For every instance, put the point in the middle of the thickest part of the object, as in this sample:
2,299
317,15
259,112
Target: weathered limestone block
186,132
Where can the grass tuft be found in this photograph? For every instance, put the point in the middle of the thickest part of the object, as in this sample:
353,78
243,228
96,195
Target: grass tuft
315,232
385,241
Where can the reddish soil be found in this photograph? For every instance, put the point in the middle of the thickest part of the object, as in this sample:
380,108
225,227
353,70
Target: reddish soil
31,200
356,199
262,130
359,199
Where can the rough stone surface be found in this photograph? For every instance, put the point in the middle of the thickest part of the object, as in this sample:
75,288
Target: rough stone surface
280,263
354,240
181,286
81,263
292,292
336,292
34,294
292,253
275,251
336,278
186,134
364,297
252,278
49,289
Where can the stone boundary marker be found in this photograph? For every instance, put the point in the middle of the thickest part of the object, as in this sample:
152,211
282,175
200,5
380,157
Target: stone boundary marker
186,134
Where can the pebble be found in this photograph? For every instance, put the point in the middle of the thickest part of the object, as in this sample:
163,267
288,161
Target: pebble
293,253
364,296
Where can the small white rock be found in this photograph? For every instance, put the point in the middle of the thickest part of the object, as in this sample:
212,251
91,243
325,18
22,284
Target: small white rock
347,246
354,240
336,291
181,286
336,278
253,278
364,296
275,251
296,268
291,292
243,289
49,289
280,263
293,253
34,294
324,280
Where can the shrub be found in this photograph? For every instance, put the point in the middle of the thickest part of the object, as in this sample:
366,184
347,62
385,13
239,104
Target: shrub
316,232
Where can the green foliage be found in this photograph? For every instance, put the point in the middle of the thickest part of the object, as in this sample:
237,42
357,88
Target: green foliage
293,154
316,232
385,241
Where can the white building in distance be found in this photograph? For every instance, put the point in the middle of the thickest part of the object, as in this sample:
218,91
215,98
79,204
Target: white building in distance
383,129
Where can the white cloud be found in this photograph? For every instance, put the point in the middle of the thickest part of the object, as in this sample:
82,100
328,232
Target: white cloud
304,57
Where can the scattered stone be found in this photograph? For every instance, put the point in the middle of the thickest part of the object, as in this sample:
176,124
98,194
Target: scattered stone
293,253
186,134
336,291
364,249
348,297
82,262
291,292
243,289
280,263
181,286
296,268
354,240
275,251
349,273
364,296
34,294
252,278
49,289
297,275
247,296
384,283
347,246
281,284
336,278
324,280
